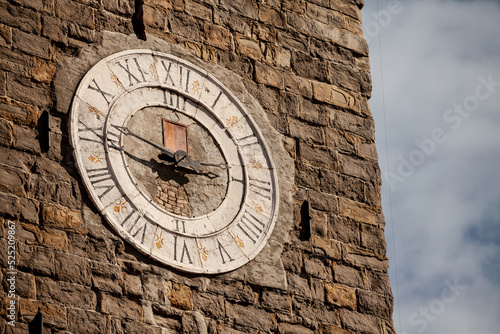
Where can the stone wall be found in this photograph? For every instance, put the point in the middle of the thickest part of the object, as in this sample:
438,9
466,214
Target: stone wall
305,62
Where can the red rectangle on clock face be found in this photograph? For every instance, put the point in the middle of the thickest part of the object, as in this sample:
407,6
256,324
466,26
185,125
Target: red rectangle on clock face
175,136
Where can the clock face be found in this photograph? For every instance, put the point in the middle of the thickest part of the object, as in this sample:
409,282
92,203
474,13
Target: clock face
173,161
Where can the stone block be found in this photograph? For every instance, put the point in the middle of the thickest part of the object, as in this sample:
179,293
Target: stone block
298,6
71,268
133,285
29,210
218,37
20,113
55,29
308,67
60,217
349,276
359,323
26,139
317,314
339,141
45,6
31,44
271,16
107,285
375,304
198,10
367,262
366,170
318,290
64,293
327,93
368,151
372,237
76,13
52,315
340,296
318,156
250,317
325,15
38,260
307,176
25,285
234,22
268,76
316,268
54,239
13,180
297,85
276,300
329,329
155,18
3,80
6,129
305,132
111,22
285,328
120,307
298,286
19,17
9,205
267,97
361,126
42,71
86,321
379,282
356,211
123,7
248,48
330,248
292,260
25,91
180,297
314,113
294,41
246,8
209,304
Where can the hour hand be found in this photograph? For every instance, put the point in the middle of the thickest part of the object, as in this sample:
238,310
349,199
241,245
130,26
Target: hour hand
126,131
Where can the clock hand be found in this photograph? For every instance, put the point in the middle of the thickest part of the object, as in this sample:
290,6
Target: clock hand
182,158
127,132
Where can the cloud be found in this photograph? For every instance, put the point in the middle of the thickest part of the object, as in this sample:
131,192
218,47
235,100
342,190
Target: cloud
446,214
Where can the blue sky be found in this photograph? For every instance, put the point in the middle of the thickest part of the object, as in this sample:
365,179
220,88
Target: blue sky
436,65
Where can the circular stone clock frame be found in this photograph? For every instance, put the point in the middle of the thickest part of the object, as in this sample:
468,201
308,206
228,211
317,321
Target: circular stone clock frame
115,89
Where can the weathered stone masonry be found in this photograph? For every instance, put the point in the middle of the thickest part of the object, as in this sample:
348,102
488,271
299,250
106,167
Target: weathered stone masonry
306,62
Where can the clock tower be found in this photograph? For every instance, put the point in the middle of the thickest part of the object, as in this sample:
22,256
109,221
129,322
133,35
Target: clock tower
189,166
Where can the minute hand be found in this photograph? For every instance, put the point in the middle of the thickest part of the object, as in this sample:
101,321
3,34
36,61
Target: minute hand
126,131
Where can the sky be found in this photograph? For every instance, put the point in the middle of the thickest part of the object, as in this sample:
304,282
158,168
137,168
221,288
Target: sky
436,102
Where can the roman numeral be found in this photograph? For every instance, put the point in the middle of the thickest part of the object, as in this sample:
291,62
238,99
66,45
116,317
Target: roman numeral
168,76
248,141
261,188
182,80
138,225
98,89
130,74
251,226
180,225
175,101
217,99
223,251
96,131
113,139
99,175
184,252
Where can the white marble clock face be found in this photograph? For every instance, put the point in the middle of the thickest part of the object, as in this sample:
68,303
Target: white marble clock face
211,219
